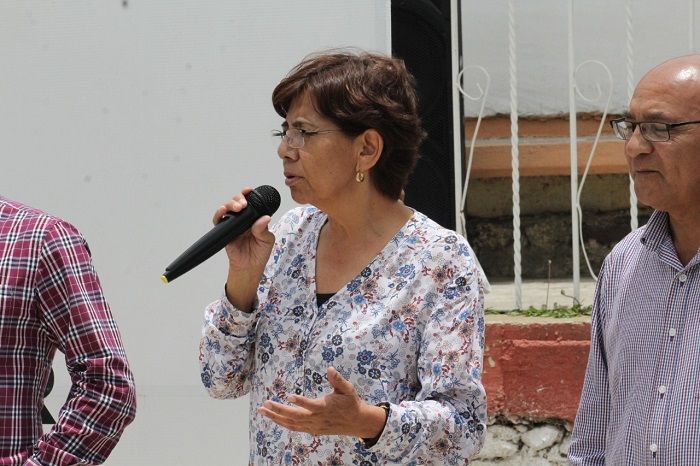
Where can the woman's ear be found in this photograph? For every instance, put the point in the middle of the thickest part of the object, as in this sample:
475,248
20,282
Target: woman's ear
371,148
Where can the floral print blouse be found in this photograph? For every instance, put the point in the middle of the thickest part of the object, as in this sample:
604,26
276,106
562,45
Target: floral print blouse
408,330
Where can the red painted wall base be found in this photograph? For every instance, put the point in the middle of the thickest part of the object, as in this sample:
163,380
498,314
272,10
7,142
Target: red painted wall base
534,368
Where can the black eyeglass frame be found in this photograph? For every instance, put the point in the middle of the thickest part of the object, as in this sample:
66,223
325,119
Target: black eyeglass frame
668,126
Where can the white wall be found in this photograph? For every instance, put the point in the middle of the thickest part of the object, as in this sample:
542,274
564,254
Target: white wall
135,124
660,31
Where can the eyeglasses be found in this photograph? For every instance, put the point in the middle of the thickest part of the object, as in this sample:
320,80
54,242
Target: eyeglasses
651,131
295,138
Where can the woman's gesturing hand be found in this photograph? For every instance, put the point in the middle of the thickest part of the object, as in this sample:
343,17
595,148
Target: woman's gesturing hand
339,413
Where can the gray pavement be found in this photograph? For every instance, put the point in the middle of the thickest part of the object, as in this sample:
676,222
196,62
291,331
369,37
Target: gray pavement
537,293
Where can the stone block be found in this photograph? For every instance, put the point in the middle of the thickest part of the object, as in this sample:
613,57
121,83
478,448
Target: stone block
495,449
506,433
542,437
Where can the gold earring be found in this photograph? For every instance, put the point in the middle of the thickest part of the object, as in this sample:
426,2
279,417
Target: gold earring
359,176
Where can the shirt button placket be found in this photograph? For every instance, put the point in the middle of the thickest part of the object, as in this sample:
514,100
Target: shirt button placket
653,448
305,371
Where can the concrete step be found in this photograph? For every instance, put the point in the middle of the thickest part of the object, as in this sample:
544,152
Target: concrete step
493,159
538,293
543,147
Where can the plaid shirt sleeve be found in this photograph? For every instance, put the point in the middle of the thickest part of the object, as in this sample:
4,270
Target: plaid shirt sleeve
77,318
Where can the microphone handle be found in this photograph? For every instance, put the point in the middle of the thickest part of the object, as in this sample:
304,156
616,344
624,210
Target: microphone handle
231,225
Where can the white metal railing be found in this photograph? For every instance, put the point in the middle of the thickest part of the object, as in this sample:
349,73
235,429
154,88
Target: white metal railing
457,123
629,61
480,97
573,152
515,153
606,107
602,98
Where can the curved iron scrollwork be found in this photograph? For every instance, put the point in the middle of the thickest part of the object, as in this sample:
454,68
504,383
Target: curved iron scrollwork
598,98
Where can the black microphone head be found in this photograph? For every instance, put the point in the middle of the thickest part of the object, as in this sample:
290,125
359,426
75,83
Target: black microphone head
265,199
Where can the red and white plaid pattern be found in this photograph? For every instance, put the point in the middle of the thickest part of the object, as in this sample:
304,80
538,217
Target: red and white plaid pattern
51,298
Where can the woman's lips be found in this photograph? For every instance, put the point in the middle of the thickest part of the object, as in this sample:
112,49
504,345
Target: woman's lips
289,180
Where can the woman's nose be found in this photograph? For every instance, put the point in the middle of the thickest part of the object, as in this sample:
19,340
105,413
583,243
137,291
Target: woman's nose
284,151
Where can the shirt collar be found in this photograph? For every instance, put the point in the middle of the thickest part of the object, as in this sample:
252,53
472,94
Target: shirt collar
656,230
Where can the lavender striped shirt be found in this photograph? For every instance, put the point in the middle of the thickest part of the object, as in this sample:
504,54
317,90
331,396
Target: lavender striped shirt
641,398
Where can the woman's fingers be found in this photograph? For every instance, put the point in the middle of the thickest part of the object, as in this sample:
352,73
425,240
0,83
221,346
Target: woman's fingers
236,204
292,418
277,418
285,410
309,404
339,384
260,230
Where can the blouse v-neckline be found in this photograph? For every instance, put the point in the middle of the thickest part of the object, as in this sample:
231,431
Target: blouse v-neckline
386,251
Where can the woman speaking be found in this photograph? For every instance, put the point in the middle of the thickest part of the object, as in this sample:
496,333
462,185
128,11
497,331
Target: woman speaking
355,322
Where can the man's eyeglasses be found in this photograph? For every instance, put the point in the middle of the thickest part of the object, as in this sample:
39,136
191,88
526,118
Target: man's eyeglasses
295,138
651,131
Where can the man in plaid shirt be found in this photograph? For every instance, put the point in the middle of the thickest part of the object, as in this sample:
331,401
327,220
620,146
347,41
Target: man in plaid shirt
50,298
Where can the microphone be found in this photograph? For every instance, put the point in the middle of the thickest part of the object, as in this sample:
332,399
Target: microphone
263,200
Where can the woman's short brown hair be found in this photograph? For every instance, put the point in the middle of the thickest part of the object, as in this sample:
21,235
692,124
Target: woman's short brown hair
359,91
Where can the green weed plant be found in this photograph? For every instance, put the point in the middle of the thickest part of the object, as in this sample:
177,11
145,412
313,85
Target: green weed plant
557,311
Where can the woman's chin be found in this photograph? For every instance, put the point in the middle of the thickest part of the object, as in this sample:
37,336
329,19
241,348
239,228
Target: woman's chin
298,196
